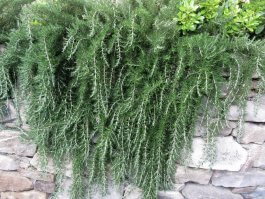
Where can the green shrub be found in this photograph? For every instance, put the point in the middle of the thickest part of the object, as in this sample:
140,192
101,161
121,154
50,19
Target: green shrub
258,6
119,88
188,16
240,21
234,18
9,14
210,8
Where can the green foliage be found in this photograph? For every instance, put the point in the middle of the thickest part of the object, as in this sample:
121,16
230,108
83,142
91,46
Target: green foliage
241,20
235,17
188,16
258,6
209,8
117,88
9,13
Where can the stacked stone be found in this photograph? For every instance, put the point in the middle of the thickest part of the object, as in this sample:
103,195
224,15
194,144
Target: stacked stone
239,169
237,173
20,178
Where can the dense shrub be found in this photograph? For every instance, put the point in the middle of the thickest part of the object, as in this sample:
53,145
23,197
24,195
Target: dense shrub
119,87
231,17
9,14
258,6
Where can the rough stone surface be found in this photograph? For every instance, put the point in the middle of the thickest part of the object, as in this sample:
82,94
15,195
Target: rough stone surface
256,75
253,177
252,94
230,155
260,160
24,162
186,174
13,181
68,171
254,152
132,192
169,195
259,193
113,192
8,163
225,131
11,143
253,114
49,167
10,113
239,167
244,189
24,195
37,175
2,48
178,187
46,187
195,191
23,115
255,85
64,192
225,90
36,162
253,133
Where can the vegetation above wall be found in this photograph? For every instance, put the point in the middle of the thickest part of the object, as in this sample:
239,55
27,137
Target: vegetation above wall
119,87
9,16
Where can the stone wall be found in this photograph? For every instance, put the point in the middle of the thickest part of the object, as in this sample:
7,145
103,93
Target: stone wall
237,173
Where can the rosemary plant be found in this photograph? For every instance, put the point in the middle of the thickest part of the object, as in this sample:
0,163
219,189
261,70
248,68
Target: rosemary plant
119,88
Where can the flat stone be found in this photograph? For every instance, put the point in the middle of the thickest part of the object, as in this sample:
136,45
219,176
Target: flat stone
169,195
259,193
252,94
132,192
186,174
37,163
224,90
252,114
65,189
13,181
46,187
11,143
260,160
251,178
23,115
178,187
8,164
233,113
254,152
255,85
196,191
256,75
37,175
10,113
68,168
50,167
252,133
2,48
230,155
225,131
113,192
24,195
244,189
24,162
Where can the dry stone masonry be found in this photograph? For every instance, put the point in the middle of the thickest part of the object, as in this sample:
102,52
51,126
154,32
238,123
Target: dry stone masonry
237,173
